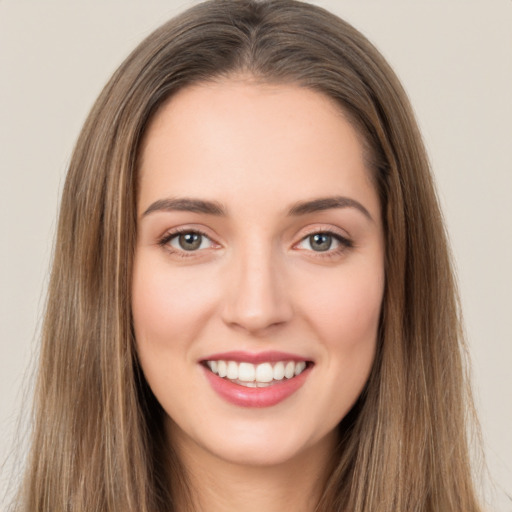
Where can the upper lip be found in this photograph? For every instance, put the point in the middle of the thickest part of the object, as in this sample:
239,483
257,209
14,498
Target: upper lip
269,356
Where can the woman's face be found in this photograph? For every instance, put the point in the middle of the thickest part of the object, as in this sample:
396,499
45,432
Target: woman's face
259,270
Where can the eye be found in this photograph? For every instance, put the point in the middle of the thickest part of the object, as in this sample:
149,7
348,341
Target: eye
188,241
324,241
318,242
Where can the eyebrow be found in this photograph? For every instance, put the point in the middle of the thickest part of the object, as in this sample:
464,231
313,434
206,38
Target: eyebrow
186,205
215,208
327,203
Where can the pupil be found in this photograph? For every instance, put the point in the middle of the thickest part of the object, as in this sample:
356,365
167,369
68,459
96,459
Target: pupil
190,241
321,242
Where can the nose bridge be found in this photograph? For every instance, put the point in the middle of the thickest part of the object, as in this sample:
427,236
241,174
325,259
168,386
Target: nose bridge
257,298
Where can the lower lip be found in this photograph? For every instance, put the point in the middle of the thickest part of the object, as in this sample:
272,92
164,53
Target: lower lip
256,397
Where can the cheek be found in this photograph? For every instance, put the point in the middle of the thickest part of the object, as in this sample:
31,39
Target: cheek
346,308
344,311
169,310
346,316
167,305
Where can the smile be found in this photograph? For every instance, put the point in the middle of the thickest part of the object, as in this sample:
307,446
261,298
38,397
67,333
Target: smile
256,380
256,375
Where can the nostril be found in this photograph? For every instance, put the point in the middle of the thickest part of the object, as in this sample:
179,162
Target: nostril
257,299
257,318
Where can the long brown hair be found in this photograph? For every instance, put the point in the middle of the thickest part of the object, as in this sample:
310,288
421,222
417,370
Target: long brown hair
98,443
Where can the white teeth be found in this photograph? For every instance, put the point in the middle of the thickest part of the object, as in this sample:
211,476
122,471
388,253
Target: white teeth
279,371
232,372
222,368
261,375
246,372
289,371
299,367
264,372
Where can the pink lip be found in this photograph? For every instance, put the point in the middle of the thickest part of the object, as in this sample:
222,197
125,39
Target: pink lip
255,358
255,397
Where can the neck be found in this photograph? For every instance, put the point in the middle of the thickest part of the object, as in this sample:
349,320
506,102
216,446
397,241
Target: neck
217,485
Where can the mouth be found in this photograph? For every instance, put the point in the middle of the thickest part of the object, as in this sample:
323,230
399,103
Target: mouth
260,375
256,380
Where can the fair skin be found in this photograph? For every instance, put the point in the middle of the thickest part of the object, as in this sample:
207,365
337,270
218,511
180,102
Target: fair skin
262,273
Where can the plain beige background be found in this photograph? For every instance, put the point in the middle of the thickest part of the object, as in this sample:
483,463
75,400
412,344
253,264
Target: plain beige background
455,60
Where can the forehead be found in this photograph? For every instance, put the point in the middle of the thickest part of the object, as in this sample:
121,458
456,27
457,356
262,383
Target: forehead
233,137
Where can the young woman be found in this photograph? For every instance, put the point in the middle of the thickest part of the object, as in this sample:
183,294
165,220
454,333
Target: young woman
251,305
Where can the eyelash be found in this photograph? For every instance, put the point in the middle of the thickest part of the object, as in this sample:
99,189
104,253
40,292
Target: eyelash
344,243
164,241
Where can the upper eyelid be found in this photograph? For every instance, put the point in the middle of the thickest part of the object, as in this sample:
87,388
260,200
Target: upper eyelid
339,238
328,229
179,230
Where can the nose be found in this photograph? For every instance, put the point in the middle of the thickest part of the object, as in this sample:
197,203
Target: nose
257,299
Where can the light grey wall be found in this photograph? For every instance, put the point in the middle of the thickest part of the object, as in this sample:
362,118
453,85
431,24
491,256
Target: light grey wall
455,60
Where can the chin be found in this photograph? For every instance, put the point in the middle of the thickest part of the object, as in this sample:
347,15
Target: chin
254,444
258,454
